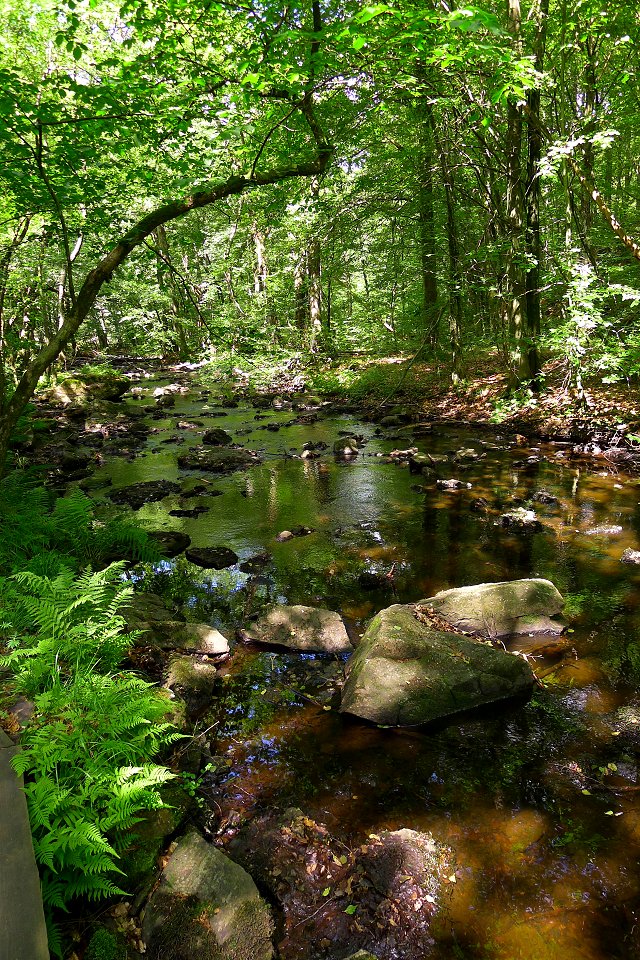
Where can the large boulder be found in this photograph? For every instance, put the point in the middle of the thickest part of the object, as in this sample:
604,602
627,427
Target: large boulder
218,459
308,629
406,672
206,906
500,609
86,388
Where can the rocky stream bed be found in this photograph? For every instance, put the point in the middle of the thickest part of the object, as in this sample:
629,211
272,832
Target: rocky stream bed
329,821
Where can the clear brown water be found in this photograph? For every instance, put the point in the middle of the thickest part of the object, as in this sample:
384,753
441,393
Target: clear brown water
544,870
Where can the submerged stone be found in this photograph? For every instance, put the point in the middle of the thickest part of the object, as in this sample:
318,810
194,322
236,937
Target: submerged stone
218,460
170,543
140,493
206,906
308,629
406,673
217,437
211,558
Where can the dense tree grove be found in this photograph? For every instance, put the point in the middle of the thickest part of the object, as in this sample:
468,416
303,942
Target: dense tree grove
374,178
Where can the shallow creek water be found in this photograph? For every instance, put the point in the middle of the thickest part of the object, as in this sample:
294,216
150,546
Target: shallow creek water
538,804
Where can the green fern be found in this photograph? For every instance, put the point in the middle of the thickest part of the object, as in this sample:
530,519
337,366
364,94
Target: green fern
88,754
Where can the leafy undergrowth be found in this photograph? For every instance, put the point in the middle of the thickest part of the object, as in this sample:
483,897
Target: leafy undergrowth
88,750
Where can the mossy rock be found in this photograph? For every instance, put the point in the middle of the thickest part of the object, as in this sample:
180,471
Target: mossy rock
406,673
148,837
105,945
206,906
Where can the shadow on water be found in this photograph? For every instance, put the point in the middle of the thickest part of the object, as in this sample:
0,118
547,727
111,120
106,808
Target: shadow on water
540,804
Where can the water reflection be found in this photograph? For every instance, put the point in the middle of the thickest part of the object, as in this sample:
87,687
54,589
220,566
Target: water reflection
528,800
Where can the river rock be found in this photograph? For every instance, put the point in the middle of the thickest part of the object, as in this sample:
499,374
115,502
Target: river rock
83,389
500,609
293,856
420,463
175,635
453,484
543,496
170,543
468,455
308,629
613,530
166,401
631,556
217,437
192,680
406,673
140,493
211,558
144,609
218,460
346,447
206,906
524,521
189,513
256,563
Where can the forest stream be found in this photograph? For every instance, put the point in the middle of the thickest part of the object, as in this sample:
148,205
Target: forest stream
537,804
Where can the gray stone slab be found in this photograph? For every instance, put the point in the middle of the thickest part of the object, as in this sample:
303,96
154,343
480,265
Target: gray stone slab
23,934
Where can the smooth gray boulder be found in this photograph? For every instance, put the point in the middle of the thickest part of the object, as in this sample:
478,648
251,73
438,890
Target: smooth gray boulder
308,629
407,673
500,609
206,906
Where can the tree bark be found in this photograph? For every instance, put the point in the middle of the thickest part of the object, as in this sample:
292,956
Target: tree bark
515,292
533,195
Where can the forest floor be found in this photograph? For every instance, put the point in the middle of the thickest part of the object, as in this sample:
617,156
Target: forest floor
482,397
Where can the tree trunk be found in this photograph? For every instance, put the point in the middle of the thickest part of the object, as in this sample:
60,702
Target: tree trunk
427,222
515,291
533,194
453,244
260,263
167,282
